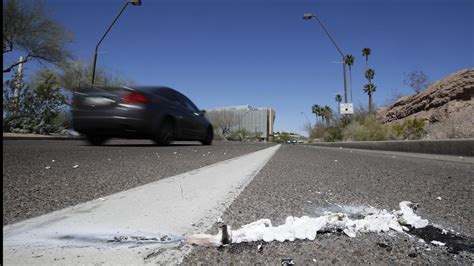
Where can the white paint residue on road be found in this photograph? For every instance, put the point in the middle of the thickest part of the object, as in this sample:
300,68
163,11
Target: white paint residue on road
305,227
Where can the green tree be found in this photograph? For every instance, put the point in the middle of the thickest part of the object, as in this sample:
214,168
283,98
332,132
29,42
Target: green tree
349,60
41,105
370,88
285,137
369,74
326,113
28,29
339,100
76,74
49,97
366,53
13,91
316,109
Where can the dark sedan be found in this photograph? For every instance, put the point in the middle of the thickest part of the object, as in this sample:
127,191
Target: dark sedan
157,113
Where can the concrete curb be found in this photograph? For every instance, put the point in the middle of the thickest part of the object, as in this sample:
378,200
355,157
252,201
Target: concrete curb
463,147
37,137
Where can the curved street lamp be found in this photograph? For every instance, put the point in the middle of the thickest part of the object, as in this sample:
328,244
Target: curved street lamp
309,122
133,2
310,16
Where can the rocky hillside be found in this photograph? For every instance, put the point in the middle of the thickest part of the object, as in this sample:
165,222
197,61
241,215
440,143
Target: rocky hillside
449,97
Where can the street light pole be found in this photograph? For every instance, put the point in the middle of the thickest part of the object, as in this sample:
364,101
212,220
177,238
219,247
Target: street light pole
309,122
133,2
310,16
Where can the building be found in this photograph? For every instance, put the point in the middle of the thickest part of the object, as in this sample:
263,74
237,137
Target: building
282,136
253,119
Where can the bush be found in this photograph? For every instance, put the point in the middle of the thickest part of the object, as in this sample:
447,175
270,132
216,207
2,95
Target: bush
333,134
31,124
369,129
318,132
409,129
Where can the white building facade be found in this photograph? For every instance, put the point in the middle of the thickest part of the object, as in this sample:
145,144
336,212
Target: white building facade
253,119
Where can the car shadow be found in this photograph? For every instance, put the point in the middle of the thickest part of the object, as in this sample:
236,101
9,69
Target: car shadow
142,145
146,145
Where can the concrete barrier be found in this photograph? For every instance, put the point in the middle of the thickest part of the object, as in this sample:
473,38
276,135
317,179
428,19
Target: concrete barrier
463,147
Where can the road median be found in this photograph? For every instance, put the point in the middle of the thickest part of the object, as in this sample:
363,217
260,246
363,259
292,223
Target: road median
460,147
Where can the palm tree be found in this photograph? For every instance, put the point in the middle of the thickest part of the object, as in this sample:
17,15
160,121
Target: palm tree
366,53
326,113
369,74
370,88
339,100
316,109
349,60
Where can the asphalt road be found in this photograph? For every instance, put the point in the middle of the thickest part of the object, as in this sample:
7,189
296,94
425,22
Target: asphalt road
301,180
298,180
29,189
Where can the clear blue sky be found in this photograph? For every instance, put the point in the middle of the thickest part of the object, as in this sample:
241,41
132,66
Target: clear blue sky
262,53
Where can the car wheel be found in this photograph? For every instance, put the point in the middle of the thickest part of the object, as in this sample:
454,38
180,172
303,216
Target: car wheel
166,134
209,136
96,140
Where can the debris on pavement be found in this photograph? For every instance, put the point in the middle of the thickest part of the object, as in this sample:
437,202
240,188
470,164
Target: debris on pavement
438,243
373,220
408,216
223,237
438,198
75,166
47,167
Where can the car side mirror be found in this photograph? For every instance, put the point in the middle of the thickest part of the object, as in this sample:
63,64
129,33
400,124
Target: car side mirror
202,112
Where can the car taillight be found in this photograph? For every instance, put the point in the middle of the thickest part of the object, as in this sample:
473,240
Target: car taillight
134,97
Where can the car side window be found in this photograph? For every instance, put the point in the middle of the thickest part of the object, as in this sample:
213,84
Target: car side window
190,106
167,94
186,103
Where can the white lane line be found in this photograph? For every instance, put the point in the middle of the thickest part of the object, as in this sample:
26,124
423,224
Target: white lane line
176,206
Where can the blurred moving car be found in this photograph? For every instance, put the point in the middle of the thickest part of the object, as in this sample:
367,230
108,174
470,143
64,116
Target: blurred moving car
157,113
